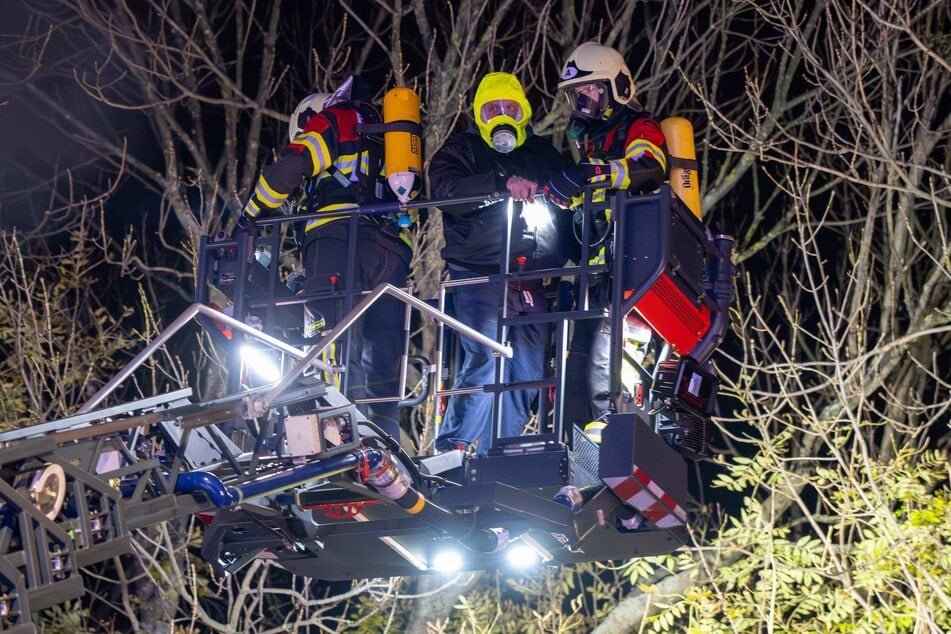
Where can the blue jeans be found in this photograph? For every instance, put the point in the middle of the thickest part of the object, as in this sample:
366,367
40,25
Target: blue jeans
468,416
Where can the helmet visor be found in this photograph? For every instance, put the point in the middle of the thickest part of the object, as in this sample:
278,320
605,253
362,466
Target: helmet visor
588,100
497,107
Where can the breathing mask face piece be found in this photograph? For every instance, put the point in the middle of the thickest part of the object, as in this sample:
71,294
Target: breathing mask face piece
504,138
577,128
498,107
588,102
501,112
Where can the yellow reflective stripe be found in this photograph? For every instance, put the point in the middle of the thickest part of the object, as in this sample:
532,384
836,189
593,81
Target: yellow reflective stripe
318,222
315,144
620,176
416,508
593,430
639,146
267,195
599,258
329,356
346,163
603,176
262,183
252,208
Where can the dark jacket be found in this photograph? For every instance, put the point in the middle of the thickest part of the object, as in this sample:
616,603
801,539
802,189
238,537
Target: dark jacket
467,166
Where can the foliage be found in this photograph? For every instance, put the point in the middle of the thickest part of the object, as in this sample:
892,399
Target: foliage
59,340
544,599
856,564
830,163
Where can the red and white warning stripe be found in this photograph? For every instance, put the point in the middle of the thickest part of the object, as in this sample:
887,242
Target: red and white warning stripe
639,491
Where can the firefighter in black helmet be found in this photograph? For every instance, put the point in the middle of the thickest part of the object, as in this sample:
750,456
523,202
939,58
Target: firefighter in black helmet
340,168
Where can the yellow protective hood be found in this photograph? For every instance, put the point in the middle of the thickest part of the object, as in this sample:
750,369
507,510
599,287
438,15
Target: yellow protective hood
501,86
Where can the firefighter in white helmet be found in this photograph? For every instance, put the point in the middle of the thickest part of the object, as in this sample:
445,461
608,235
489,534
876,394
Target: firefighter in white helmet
623,145
338,168
623,148
308,107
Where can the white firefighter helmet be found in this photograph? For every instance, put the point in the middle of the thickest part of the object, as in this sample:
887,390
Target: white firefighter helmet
311,105
593,63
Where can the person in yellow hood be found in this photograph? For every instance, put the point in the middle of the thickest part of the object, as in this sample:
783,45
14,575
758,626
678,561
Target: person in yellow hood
498,156
501,112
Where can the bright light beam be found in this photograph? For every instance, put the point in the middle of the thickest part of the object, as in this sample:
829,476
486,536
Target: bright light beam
447,561
536,215
260,364
521,556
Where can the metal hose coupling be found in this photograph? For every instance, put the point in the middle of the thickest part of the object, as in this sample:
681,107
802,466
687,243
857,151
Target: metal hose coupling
378,468
575,497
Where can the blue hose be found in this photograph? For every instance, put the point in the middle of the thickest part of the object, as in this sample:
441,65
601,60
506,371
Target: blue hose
224,496
201,481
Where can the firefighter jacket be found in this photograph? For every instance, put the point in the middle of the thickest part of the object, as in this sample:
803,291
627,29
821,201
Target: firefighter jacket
467,166
340,166
633,145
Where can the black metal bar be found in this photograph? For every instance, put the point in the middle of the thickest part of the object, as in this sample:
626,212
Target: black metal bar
272,279
561,356
582,298
375,209
349,292
513,386
201,273
529,439
616,317
573,315
541,274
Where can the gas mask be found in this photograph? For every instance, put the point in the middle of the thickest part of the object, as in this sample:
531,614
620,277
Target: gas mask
501,112
504,138
577,128
589,104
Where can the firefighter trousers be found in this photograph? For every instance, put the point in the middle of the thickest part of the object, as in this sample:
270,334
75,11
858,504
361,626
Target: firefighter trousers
374,345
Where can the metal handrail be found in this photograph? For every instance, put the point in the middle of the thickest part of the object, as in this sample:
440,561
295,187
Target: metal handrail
306,360
261,405
176,325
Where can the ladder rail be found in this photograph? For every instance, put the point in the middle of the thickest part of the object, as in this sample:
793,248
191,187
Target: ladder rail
187,315
344,324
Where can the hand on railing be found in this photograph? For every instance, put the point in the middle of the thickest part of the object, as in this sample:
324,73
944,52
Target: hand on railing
521,188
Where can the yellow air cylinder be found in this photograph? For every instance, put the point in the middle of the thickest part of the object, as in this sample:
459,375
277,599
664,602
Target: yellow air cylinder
684,177
403,154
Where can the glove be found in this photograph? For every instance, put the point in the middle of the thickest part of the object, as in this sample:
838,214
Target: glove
243,227
565,186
